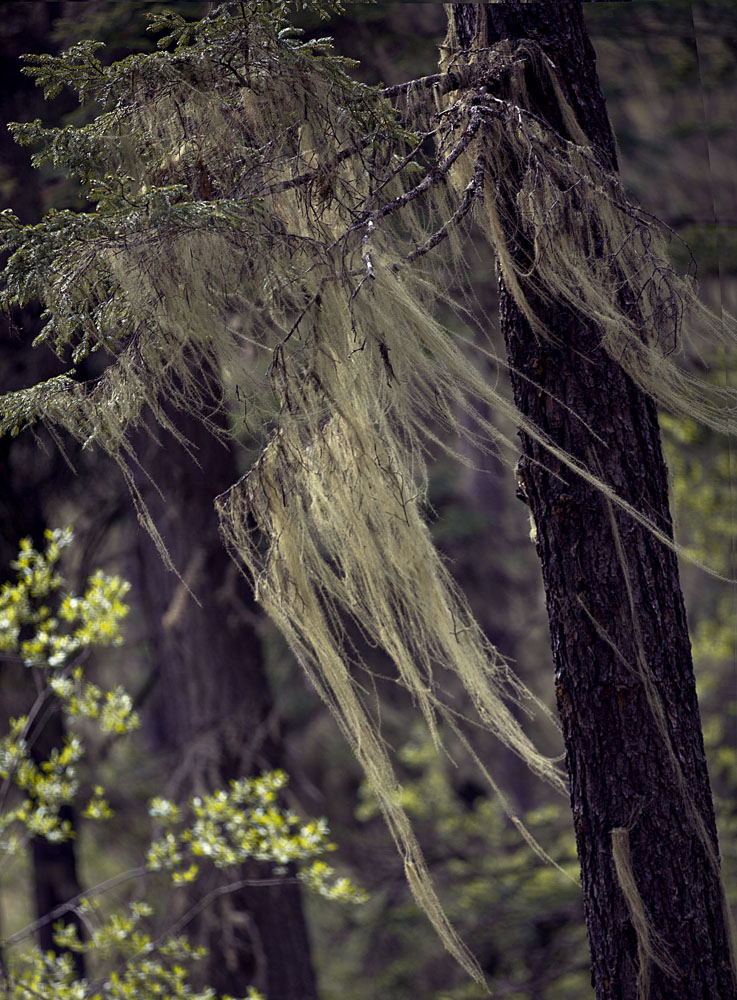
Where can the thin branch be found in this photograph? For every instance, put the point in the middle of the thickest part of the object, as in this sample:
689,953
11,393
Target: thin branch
474,189
436,173
310,175
73,903
366,244
402,164
222,890
314,301
444,83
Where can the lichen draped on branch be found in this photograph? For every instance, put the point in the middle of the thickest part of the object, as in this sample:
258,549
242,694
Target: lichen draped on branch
263,217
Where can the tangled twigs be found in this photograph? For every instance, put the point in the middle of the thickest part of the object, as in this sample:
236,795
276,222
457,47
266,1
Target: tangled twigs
461,79
436,173
311,175
473,190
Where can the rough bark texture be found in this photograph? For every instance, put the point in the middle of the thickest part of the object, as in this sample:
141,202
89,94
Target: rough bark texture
55,879
25,484
214,713
28,477
620,775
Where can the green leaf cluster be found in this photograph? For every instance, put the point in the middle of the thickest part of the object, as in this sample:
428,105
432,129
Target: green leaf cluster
50,631
226,828
47,629
142,967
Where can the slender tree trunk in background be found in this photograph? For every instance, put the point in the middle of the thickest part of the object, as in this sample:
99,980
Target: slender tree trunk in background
53,866
213,706
26,476
22,492
55,879
620,774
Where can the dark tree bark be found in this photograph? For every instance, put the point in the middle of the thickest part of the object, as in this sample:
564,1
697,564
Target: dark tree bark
55,879
620,772
29,478
54,875
25,483
214,712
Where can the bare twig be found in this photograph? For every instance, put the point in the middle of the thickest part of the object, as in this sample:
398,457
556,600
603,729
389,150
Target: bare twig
73,903
474,189
444,83
437,172
221,890
366,243
311,175
402,164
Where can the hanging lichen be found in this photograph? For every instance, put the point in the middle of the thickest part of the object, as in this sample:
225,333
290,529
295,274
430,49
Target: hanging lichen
650,947
263,217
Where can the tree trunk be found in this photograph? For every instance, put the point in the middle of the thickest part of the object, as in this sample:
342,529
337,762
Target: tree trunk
29,479
22,495
621,775
213,707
